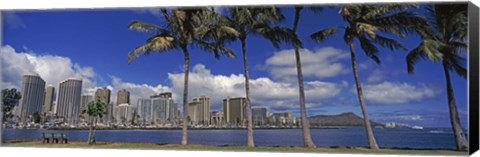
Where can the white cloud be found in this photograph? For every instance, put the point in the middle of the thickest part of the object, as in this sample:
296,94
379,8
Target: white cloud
52,69
396,93
152,11
323,63
376,76
13,21
264,91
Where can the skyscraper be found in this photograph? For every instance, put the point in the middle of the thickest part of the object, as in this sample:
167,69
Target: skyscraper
163,108
203,109
234,110
103,95
144,111
49,96
33,96
68,100
194,115
123,114
259,115
84,101
123,97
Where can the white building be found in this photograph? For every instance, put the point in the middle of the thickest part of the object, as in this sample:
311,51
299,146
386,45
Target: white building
123,113
145,111
33,96
68,100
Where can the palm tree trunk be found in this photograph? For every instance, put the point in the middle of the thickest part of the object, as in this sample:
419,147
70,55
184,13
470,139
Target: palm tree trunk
460,139
371,138
250,142
90,132
307,139
185,94
94,130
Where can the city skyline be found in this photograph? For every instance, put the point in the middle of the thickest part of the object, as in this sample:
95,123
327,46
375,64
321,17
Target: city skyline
415,99
159,109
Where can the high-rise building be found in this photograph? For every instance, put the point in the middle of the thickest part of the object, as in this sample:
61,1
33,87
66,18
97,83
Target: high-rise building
217,118
234,110
33,96
283,118
203,109
145,111
123,97
193,115
68,100
123,114
103,94
49,97
84,101
259,115
163,108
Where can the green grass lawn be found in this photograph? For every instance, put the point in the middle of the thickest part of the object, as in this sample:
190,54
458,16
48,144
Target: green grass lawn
120,145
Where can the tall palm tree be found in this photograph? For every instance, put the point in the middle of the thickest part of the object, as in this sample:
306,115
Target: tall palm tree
256,21
183,27
94,110
368,24
297,44
445,42
10,98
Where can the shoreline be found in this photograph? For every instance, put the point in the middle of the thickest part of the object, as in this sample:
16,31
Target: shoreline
200,147
179,128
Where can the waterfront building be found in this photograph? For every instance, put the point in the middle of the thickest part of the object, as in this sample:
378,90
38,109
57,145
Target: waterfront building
234,110
202,110
123,114
259,115
33,96
123,97
68,100
145,111
217,119
49,97
84,101
193,115
103,94
283,118
163,109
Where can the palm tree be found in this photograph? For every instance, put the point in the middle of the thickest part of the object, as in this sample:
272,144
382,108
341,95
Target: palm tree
255,21
297,44
10,98
184,27
445,42
94,110
368,24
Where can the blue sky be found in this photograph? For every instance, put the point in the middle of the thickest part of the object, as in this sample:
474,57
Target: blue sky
94,44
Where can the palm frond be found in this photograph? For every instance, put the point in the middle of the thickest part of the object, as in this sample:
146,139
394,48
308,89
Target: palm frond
146,27
456,63
400,23
278,35
217,49
322,35
369,48
427,49
157,43
381,10
389,43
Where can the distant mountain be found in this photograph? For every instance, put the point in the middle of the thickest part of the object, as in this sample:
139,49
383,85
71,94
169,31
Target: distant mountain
344,119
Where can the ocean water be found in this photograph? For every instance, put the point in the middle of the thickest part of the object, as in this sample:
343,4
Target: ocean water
386,137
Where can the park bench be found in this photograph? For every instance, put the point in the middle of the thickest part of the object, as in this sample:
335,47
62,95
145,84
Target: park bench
54,137
46,137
